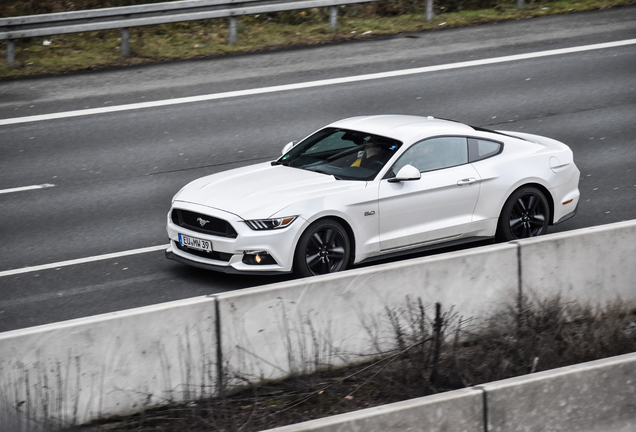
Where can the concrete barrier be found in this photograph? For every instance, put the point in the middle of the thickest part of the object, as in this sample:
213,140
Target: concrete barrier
598,396
119,363
297,326
459,410
594,265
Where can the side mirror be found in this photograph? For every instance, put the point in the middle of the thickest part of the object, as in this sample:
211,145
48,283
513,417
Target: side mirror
288,147
406,173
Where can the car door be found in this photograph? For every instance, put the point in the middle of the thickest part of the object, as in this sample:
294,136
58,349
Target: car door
439,206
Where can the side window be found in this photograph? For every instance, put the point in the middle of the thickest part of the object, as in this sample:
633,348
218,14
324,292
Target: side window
435,153
481,149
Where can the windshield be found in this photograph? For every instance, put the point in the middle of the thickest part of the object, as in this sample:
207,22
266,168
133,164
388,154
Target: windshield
345,154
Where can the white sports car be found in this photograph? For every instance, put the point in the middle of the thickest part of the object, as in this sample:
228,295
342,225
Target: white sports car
368,187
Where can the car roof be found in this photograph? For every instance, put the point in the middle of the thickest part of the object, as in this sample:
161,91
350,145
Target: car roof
405,128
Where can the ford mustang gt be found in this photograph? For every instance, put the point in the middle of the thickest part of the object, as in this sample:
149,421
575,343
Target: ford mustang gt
367,187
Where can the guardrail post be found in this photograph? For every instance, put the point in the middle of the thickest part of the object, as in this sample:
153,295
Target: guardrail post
521,4
429,10
125,41
10,51
231,39
333,17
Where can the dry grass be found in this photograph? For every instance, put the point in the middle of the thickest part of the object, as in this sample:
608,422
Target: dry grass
431,355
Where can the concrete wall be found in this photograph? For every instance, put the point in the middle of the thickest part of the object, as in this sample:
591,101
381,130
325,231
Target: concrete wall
118,363
595,265
598,396
292,327
456,411
595,396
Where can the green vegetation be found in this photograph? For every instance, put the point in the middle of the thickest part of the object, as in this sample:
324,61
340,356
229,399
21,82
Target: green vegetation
197,39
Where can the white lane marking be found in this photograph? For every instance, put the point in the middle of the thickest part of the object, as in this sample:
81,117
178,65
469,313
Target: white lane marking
26,188
310,84
82,260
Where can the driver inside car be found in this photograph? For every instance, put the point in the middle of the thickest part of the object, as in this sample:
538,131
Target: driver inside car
374,153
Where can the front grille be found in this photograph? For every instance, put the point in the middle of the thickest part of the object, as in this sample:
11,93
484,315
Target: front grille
219,256
211,225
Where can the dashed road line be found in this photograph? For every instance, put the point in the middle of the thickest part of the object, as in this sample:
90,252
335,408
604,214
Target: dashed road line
26,188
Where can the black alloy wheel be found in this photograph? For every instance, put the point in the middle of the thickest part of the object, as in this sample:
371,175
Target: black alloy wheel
525,214
323,248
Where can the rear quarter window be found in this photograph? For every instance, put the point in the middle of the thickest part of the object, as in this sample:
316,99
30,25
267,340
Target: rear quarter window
479,149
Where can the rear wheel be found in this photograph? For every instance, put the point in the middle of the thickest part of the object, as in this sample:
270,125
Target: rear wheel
323,248
525,214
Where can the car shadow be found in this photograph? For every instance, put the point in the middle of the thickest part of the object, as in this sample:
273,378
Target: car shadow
221,282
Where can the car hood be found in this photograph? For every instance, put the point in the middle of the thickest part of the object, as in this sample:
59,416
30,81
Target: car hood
260,191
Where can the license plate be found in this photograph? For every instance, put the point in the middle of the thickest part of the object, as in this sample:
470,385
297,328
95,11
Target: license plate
195,243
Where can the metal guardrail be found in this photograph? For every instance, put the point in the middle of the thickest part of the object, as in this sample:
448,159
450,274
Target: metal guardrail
143,15
124,18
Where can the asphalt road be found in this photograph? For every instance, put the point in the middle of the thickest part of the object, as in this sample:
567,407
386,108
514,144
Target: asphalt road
114,173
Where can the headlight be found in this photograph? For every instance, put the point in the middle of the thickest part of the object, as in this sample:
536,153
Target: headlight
270,224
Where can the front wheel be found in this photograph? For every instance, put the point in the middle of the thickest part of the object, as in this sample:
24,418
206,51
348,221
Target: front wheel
323,248
525,214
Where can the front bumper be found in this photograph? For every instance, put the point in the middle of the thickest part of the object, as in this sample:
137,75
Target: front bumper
218,268
228,253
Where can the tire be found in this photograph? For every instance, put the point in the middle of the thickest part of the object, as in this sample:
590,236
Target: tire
323,248
525,214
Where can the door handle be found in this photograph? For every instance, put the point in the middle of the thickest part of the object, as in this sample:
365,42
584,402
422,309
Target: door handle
466,181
